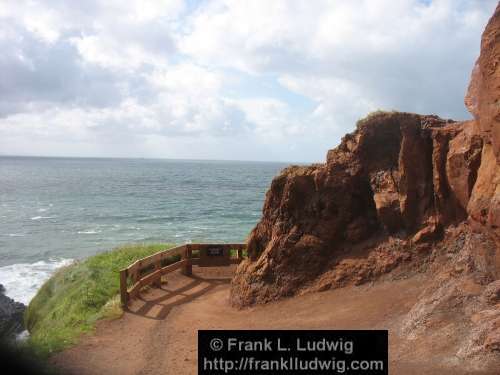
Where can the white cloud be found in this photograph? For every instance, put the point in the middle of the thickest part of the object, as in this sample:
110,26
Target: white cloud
272,119
188,78
40,20
264,80
141,11
108,52
384,53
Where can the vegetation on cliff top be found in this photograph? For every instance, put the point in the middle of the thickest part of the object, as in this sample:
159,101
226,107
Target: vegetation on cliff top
379,113
78,295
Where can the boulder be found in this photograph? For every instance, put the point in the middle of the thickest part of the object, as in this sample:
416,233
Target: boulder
11,316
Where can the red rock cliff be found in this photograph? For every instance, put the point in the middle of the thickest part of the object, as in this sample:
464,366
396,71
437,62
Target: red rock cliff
391,195
483,101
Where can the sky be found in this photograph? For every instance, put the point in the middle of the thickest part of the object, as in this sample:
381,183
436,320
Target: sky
270,80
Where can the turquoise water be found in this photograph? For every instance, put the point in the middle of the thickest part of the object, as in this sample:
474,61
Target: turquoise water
54,210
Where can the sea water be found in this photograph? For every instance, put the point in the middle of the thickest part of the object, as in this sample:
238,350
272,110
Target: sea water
55,210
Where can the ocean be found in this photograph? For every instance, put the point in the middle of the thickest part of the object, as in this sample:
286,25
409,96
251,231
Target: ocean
56,210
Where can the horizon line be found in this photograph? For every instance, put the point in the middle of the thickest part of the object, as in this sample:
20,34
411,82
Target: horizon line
155,158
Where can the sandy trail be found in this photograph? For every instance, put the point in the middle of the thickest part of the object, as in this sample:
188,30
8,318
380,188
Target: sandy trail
159,333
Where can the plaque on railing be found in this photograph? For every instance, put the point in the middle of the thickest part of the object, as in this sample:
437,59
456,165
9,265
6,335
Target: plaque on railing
215,256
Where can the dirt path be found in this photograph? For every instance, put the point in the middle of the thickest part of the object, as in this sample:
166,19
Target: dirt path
159,333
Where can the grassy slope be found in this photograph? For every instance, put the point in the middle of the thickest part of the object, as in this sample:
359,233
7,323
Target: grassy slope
71,301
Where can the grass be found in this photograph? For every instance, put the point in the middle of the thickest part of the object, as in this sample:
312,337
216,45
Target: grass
372,115
75,297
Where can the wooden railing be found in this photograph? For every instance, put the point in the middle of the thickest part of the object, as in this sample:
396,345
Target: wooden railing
148,271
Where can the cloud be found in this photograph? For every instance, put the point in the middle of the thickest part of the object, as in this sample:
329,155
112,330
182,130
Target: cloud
277,80
408,54
36,76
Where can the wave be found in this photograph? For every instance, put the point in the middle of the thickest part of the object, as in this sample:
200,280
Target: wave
89,231
22,280
42,217
161,219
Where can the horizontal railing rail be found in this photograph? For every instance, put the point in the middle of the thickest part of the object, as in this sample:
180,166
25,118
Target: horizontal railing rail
148,271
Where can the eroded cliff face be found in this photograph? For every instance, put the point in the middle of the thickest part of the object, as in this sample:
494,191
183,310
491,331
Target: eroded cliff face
403,193
483,101
398,177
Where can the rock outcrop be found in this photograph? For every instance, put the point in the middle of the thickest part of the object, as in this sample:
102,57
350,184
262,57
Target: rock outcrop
402,193
11,316
483,101
398,175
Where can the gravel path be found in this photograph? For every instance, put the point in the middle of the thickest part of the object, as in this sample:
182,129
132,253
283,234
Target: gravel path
159,333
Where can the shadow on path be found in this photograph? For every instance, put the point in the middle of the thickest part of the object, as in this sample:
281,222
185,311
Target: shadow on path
156,303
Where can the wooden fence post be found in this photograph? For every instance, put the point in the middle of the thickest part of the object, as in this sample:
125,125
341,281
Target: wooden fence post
188,268
157,283
123,288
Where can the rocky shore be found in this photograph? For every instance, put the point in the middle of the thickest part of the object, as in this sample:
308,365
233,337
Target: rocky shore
11,316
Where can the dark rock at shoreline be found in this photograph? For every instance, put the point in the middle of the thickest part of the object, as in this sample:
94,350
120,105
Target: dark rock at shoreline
11,316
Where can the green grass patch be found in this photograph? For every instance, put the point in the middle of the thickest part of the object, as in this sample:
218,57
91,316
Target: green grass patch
233,253
78,295
372,116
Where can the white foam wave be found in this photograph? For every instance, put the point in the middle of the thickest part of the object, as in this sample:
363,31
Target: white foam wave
23,336
89,231
22,280
42,217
